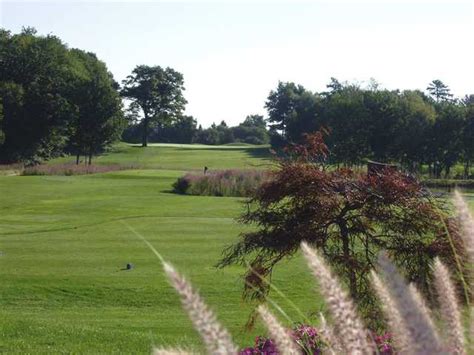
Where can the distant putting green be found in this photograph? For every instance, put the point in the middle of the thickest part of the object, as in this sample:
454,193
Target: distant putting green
66,240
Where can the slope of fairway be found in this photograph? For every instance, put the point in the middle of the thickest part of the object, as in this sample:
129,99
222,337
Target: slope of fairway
66,240
184,156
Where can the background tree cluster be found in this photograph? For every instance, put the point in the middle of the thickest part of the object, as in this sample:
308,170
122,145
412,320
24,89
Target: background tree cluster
53,99
184,129
410,127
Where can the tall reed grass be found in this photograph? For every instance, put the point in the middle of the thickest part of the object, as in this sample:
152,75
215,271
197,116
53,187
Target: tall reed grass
237,183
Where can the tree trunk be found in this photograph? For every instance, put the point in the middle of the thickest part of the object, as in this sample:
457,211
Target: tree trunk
145,131
90,158
447,170
348,259
77,158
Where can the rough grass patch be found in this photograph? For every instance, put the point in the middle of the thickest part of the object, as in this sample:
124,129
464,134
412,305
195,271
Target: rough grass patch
69,169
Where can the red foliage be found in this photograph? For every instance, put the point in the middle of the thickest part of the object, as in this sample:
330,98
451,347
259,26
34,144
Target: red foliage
349,215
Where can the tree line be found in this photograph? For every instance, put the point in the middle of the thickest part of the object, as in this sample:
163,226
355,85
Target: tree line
56,100
410,127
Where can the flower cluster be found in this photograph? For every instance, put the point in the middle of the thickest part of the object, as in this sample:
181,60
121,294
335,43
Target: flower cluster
263,346
305,336
310,342
384,343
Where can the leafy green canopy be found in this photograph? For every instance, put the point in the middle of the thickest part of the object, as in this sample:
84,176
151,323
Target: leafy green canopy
48,91
409,126
157,92
98,120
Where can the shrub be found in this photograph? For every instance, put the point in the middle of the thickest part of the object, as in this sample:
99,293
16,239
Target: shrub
349,216
237,183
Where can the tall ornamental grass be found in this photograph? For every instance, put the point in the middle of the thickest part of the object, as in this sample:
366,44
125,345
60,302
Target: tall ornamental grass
69,169
237,183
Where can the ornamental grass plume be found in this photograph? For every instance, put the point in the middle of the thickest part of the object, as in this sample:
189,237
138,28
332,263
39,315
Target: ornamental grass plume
466,218
422,306
467,225
449,307
347,323
216,338
423,337
331,339
394,319
284,342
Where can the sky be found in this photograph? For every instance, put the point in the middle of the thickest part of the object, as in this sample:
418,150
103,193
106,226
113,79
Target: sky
233,53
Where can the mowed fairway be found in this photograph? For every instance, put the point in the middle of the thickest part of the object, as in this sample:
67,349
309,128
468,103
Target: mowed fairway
64,241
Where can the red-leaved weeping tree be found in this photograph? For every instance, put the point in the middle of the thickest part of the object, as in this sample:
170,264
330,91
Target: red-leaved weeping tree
350,216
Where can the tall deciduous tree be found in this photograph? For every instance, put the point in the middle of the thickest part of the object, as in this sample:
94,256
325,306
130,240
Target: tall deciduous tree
98,117
468,135
446,137
292,110
417,117
54,98
157,92
2,136
35,75
348,118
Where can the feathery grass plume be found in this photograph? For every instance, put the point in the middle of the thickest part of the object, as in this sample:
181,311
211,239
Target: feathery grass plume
395,322
422,334
467,225
347,324
283,340
470,337
422,306
165,351
327,333
216,338
449,307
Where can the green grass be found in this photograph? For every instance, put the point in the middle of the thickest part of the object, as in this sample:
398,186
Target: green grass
64,241
183,157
